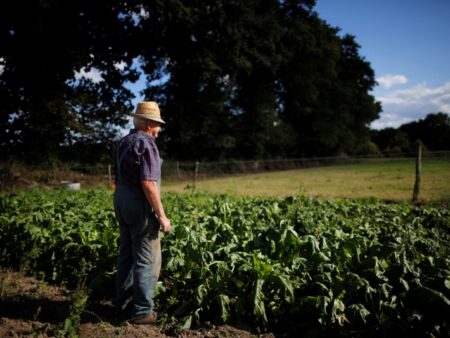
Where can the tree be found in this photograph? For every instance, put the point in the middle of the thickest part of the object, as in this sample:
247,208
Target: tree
353,99
325,87
43,43
433,131
234,79
190,38
220,56
391,140
254,79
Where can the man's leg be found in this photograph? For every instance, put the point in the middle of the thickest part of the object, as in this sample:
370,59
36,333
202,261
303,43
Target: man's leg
147,265
124,278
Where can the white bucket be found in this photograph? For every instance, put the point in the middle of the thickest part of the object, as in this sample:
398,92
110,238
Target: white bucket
70,185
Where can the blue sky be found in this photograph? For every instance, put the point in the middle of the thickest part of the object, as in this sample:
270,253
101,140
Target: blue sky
407,43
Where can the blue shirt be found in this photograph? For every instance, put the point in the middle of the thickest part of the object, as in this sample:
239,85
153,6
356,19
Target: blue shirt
139,159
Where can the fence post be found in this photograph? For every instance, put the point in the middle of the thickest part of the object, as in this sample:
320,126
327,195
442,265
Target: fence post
109,176
178,170
418,171
195,175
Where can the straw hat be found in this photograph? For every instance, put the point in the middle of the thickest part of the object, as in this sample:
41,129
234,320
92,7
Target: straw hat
148,110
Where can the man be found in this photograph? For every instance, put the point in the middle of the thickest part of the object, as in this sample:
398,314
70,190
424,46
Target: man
140,214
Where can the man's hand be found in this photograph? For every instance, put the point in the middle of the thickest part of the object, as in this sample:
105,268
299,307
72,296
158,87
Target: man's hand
151,191
164,222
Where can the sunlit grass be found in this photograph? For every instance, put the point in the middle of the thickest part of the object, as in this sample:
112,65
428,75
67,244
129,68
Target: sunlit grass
387,179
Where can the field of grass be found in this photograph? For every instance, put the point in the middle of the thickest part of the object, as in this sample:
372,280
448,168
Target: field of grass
387,179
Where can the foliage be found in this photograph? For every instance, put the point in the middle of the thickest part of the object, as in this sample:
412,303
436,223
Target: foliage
294,265
58,235
43,104
235,79
71,327
433,131
257,79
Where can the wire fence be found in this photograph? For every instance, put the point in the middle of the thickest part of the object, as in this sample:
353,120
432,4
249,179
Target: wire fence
16,175
175,170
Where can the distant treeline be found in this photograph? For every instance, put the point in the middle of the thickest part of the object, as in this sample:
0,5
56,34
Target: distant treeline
247,79
433,131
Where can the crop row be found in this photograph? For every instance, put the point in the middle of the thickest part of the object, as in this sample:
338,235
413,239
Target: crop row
293,265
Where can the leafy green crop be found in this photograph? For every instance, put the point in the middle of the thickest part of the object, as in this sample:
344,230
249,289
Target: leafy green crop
294,265
59,235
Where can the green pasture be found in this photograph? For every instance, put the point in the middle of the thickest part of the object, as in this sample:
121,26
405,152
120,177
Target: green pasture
386,179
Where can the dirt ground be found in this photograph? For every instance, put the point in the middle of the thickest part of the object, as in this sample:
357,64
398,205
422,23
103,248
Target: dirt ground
32,308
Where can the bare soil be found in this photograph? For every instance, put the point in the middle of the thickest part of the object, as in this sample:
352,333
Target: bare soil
33,308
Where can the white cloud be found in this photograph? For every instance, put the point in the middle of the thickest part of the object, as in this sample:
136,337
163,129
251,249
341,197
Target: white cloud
405,105
390,80
389,120
142,14
120,65
94,75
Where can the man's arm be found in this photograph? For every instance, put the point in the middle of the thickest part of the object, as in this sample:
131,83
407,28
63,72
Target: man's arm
153,197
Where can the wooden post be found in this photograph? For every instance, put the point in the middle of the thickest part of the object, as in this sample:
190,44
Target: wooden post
418,172
109,176
178,170
195,175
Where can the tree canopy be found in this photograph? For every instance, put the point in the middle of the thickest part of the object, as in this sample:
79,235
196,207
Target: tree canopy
234,79
433,131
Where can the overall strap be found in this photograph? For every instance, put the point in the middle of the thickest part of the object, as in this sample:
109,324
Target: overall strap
119,157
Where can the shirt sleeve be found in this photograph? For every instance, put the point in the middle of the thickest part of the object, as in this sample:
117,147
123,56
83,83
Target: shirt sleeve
149,161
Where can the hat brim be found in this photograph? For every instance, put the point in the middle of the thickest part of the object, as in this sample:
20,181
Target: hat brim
146,117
